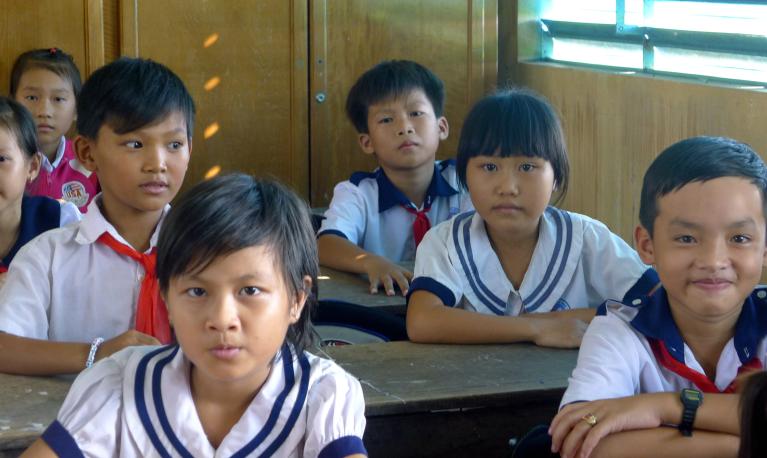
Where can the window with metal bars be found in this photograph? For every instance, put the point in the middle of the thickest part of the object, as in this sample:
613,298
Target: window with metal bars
707,40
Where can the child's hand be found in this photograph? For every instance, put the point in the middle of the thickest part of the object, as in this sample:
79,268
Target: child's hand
381,271
572,436
560,332
126,339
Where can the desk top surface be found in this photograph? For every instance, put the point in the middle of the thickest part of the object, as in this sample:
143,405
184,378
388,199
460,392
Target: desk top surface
27,406
353,288
403,377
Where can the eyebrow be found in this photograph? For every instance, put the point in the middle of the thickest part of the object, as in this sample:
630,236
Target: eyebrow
36,88
241,278
747,222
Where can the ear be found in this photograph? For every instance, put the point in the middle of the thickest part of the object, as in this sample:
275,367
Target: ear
366,143
34,167
84,149
301,297
644,245
444,128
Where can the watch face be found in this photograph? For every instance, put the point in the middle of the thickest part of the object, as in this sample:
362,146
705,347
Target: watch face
692,395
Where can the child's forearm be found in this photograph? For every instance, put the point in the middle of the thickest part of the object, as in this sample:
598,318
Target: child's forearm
583,314
667,442
340,254
717,413
19,355
429,321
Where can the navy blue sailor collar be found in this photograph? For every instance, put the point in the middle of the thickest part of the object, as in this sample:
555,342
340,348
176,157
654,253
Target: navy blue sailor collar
389,196
654,320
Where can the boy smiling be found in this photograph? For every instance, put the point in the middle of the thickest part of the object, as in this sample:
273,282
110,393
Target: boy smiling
702,226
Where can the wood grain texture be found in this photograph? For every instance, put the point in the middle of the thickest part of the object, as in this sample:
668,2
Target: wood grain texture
456,39
616,125
72,25
244,62
405,377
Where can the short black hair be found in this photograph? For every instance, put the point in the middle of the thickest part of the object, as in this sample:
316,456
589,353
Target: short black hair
236,211
18,121
514,122
51,59
753,416
131,93
698,159
392,78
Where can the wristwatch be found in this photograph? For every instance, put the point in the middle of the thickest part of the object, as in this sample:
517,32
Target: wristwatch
691,400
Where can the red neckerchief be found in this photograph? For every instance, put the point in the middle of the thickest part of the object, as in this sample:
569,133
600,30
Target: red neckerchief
421,224
700,380
151,313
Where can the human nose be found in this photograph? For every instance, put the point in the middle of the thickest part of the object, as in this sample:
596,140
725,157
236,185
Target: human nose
507,183
405,126
714,255
223,315
155,159
43,108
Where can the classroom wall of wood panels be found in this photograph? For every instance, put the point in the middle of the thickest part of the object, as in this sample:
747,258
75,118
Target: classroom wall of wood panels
255,67
615,124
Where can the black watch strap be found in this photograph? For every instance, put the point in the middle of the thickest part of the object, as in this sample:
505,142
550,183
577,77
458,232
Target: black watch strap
691,400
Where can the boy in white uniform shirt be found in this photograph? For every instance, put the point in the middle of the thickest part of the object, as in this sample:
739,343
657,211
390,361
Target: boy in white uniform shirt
73,288
664,363
377,219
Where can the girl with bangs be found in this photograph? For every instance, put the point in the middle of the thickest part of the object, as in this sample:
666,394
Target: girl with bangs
517,268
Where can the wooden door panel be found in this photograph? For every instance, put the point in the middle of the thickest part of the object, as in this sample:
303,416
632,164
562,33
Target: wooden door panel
244,61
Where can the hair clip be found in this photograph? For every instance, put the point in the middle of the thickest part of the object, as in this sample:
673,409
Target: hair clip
53,50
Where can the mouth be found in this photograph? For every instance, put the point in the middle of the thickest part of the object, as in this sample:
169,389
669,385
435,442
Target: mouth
225,352
154,187
407,145
45,128
507,208
712,284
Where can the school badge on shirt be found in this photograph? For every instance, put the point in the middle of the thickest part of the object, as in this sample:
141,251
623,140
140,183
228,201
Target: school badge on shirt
74,191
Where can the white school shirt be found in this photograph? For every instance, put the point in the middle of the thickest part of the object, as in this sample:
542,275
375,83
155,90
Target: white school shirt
617,357
138,403
577,262
368,210
63,286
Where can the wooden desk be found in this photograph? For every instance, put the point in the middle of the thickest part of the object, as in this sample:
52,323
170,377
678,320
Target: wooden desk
454,400
27,406
421,400
353,288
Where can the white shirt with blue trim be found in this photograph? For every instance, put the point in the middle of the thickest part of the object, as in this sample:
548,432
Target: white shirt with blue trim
138,403
617,359
577,262
368,210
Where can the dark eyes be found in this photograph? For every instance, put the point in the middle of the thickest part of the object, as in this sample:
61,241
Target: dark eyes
195,292
250,291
